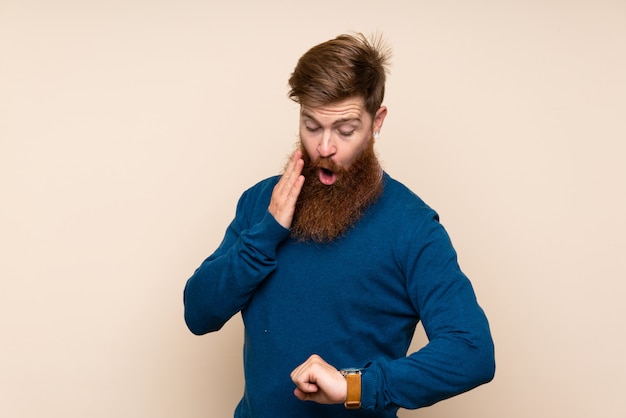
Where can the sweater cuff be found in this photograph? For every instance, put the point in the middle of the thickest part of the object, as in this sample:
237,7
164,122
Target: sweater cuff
276,229
369,383
268,233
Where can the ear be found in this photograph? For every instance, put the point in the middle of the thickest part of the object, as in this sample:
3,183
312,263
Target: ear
379,118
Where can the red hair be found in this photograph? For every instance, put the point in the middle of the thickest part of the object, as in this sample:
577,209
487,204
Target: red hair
341,68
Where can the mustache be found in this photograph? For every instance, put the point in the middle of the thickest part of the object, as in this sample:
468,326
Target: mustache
326,164
322,162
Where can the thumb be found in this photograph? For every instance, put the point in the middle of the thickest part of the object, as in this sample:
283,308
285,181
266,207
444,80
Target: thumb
307,387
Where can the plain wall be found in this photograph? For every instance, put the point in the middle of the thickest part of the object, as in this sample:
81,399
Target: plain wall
128,130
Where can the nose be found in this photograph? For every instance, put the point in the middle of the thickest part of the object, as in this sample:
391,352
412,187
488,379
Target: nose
326,147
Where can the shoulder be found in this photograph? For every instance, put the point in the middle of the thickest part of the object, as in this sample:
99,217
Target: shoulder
403,201
405,216
263,187
257,197
413,224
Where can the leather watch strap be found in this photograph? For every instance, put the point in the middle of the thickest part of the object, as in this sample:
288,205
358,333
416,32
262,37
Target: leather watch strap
353,397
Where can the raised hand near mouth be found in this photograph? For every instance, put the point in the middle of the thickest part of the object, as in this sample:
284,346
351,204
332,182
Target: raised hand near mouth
285,194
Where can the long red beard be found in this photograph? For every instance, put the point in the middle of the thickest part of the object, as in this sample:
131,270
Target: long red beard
324,213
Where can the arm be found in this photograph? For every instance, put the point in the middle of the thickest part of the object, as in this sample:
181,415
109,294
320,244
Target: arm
225,282
458,357
460,353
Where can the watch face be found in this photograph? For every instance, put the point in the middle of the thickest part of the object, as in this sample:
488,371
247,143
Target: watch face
346,372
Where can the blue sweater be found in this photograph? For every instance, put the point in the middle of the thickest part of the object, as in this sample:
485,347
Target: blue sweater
355,302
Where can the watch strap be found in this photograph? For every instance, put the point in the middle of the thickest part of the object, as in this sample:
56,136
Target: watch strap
353,381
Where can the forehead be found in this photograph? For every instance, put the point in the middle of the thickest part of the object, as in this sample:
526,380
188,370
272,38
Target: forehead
348,109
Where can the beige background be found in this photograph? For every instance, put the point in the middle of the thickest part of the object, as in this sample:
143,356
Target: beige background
129,128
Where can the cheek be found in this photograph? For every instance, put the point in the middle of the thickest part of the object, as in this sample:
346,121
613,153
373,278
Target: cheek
308,144
349,154
346,160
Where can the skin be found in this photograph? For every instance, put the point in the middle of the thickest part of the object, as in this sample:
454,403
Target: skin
285,193
340,132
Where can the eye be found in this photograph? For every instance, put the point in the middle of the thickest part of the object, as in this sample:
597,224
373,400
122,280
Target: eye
312,128
346,133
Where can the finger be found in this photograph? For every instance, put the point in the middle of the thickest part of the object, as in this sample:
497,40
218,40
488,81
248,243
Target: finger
286,191
307,388
298,163
292,173
291,165
295,189
305,396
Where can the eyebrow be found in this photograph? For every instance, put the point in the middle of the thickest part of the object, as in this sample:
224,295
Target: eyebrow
340,121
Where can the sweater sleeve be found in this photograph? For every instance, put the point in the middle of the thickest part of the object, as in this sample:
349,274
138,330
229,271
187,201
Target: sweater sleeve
226,280
459,354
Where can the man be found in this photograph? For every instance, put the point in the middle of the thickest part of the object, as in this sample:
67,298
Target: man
333,264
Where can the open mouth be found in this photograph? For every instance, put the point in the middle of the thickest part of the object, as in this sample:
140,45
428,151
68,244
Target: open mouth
326,176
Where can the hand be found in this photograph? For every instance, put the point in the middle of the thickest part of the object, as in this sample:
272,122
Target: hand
286,192
320,382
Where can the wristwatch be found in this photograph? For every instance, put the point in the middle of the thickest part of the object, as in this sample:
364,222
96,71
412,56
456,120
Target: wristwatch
353,379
